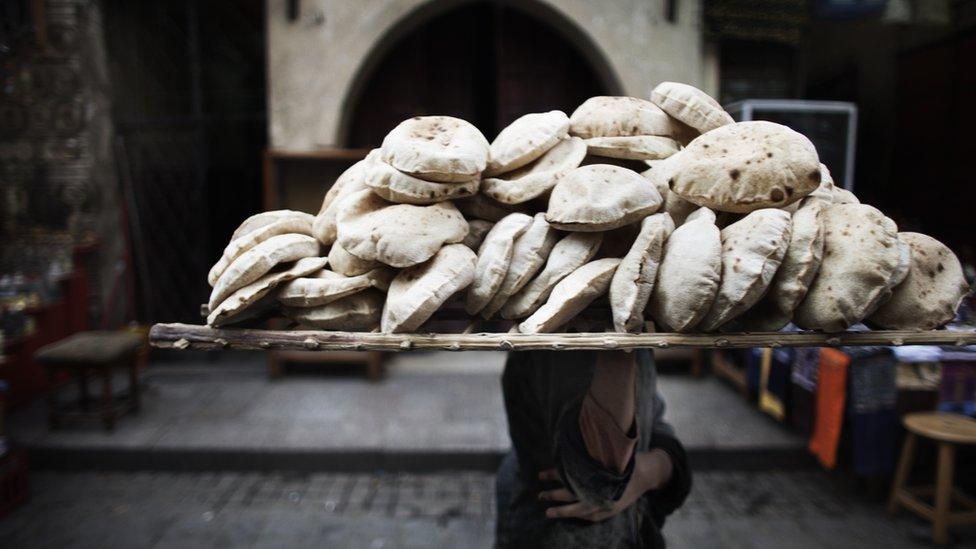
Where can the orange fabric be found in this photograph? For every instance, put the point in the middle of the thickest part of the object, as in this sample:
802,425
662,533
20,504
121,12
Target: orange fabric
831,394
605,441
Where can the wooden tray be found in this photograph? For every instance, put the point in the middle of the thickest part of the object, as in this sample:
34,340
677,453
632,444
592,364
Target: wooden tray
191,336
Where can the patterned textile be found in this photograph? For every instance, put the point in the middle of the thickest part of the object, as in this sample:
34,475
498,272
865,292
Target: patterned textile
806,363
873,381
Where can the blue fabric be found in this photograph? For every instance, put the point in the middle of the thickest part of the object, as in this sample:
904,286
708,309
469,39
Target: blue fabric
871,408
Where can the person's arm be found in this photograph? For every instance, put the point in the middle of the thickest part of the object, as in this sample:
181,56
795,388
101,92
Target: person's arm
606,418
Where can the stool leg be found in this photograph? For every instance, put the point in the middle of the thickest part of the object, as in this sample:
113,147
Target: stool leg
943,493
901,475
108,410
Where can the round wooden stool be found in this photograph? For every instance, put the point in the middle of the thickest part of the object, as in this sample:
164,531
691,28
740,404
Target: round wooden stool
947,430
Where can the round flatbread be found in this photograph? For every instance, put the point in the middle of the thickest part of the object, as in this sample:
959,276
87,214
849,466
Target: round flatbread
752,250
359,312
255,298
494,257
259,220
689,274
417,292
613,116
297,224
633,281
690,106
393,185
480,206
537,178
346,264
256,262
600,197
326,286
931,292
351,180
569,254
746,166
529,254
526,139
399,235
860,257
437,148
637,147
571,296
658,174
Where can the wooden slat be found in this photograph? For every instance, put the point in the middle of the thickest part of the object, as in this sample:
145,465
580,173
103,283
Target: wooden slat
189,336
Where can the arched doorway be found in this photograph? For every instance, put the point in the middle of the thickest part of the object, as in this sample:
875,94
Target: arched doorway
486,62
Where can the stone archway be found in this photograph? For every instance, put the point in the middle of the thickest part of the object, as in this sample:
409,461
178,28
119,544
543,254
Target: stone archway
486,61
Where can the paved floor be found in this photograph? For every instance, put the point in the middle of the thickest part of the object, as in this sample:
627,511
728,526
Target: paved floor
186,510
433,402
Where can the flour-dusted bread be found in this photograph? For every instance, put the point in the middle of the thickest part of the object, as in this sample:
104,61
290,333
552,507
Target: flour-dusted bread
259,220
437,148
746,166
860,256
843,196
529,254
326,286
659,174
399,235
526,139
494,257
359,312
477,230
351,180
417,292
256,262
612,116
689,274
393,185
537,178
569,254
571,296
297,224
244,302
633,281
690,106
896,278
600,197
481,206
752,250
795,273
635,147
346,264
930,293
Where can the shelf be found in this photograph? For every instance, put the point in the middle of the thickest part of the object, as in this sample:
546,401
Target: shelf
191,336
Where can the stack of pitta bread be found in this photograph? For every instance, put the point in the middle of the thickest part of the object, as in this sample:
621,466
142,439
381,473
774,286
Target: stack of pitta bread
668,211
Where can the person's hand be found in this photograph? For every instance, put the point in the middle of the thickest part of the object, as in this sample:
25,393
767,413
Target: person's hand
652,470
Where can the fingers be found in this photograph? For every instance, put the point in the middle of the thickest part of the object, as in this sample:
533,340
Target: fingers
573,510
549,474
560,494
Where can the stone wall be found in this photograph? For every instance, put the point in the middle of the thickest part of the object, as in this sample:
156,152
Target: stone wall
314,61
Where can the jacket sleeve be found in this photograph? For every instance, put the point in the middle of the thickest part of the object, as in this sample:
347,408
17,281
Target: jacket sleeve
663,501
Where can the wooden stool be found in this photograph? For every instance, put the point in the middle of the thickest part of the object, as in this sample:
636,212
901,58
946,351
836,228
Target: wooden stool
86,353
947,430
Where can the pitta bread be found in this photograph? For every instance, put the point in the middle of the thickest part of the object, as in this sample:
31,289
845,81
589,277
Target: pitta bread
351,180
494,257
569,254
437,148
346,264
528,255
896,278
843,196
600,197
637,147
417,292
931,291
571,296
396,186
633,281
747,166
477,230
240,304
658,174
399,235
690,105
358,312
610,116
285,225
537,178
752,250
481,206
526,139
860,256
632,165
327,286
689,274
256,262
259,220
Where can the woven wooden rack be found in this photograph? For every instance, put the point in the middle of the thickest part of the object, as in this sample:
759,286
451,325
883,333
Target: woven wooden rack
190,336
